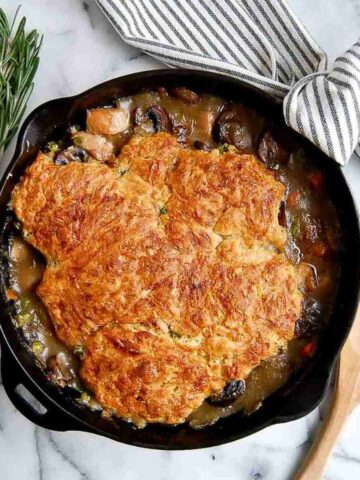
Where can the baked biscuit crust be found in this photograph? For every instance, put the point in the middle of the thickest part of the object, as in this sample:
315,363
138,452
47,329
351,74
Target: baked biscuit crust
152,377
168,267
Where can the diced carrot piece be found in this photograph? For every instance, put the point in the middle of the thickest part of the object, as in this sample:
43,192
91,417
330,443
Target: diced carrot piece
292,199
308,350
320,249
316,180
10,294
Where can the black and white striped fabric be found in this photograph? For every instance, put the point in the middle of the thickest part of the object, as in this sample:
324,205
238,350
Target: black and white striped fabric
261,42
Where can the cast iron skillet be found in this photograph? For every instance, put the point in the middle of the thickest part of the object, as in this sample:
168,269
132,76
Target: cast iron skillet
299,396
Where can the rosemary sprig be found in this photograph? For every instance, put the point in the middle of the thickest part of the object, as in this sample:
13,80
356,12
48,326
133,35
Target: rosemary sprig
19,60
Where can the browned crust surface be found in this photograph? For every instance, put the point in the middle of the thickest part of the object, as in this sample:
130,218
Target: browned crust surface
166,266
143,374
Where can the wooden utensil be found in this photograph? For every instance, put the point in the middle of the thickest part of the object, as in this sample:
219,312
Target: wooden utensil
346,397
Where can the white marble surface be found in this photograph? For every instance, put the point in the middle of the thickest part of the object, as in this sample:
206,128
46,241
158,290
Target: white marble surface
80,50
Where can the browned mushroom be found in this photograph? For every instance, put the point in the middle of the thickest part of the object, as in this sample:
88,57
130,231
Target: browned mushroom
96,145
238,126
70,154
275,146
186,95
228,394
138,116
181,133
198,145
160,118
59,371
309,322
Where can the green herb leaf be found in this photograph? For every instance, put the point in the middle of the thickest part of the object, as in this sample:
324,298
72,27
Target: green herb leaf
78,141
223,147
25,305
19,60
85,397
52,147
121,171
174,334
79,350
23,319
163,211
295,227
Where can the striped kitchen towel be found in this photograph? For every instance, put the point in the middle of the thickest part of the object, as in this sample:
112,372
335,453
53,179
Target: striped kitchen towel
261,42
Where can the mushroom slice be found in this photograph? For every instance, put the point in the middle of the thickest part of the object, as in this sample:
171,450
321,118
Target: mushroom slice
107,121
71,154
228,394
186,95
273,148
160,118
239,126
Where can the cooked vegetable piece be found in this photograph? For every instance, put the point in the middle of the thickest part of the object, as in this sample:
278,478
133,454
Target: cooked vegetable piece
37,347
58,370
107,121
188,96
316,180
85,397
308,350
295,227
138,115
233,132
293,199
79,350
71,154
320,249
52,147
238,126
181,133
96,145
160,118
228,394
162,91
309,322
202,146
223,148
10,294
23,319
272,150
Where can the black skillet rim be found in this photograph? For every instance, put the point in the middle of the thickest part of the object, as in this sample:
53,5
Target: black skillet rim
62,415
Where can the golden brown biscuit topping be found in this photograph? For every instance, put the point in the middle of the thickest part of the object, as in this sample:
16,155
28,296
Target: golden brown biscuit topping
167,266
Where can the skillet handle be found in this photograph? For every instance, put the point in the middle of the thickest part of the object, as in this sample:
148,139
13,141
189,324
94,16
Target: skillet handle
29,400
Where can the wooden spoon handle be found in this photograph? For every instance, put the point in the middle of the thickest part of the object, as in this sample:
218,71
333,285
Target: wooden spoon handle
339,410
344,400
315,461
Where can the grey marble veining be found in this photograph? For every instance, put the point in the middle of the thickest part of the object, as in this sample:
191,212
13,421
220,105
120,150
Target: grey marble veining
80,50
